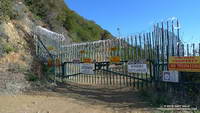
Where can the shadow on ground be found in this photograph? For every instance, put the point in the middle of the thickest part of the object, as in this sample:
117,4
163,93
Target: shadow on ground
114,97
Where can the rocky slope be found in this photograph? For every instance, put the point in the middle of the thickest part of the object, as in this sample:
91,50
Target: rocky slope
17,59
18,18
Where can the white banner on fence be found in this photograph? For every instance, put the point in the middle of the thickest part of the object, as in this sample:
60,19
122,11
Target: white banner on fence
137,68
87,69
170,76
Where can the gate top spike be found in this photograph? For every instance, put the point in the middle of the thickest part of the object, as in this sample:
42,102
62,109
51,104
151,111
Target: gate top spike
49,34
86,43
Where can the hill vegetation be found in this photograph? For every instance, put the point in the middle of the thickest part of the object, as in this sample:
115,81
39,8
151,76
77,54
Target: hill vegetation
55,13
5,10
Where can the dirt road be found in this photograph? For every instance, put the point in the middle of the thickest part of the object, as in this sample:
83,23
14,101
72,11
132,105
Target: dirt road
74,99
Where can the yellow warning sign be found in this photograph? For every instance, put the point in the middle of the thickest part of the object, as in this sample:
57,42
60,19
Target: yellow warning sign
50,48
188,64
87,60
115,59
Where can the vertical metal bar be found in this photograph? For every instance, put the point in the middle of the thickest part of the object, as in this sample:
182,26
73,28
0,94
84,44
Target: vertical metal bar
111,75
140,58
131,55
124,55
114,53
183,47
136,56
105,57
99,60
168,44
148,57
89,56
103,52
75,63
193,46
178,31
84,55
173,54
75,66
127,58
108,56
144,51
94,61
199,49
163,55
152,51
188,51
120,54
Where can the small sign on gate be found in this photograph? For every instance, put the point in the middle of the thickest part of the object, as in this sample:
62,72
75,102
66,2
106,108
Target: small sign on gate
82,52
137,68
87,68
170,76
87,60
50,48
113,48
115,59
50,63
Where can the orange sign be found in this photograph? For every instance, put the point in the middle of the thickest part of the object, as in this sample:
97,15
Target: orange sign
113,49
50,48
50,63
82,51
115,59
187,64
87,60
58,62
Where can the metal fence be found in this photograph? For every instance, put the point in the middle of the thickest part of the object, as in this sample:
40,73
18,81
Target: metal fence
111,58
152,48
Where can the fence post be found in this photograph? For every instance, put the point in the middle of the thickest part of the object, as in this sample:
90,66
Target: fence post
63,71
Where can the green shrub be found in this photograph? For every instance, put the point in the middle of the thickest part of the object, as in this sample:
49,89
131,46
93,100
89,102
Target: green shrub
31,77
5,10
37,7
154,97
8,48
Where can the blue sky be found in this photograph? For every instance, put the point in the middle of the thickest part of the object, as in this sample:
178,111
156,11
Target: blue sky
133,16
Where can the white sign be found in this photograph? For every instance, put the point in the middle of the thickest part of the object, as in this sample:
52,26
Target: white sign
87,69
76,61
170,76
137,68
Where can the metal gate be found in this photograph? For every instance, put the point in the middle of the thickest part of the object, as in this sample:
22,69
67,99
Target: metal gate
109,60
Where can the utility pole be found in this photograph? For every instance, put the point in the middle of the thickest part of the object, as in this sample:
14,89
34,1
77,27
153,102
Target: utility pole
119,34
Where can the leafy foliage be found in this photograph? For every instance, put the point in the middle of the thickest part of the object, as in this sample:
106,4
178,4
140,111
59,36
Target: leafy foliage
31,77
5,10
37,7
85,30
56,12
8,48
155,98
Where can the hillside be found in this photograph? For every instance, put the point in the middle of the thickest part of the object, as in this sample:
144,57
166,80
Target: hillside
59,18
18,62
56,16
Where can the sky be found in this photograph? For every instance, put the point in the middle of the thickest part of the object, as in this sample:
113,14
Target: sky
135,16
